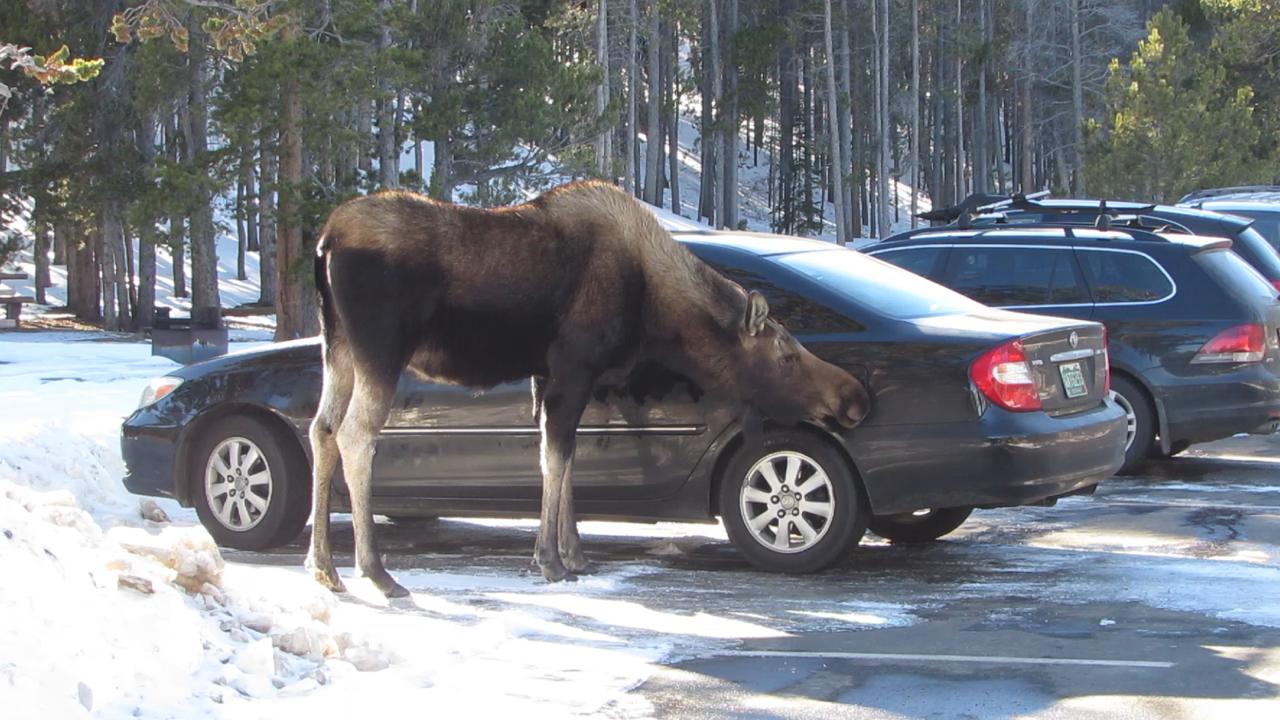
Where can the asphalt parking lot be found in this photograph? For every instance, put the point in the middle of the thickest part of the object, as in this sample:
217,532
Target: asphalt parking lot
1157,597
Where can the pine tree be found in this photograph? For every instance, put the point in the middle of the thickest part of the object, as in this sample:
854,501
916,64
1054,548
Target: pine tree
1173,123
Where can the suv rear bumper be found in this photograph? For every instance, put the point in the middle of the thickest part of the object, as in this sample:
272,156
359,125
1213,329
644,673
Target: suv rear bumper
1204,408
1004,458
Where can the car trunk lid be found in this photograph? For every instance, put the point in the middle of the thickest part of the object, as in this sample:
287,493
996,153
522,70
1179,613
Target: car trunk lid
1069,366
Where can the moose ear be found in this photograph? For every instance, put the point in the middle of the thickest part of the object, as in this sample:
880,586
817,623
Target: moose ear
757,312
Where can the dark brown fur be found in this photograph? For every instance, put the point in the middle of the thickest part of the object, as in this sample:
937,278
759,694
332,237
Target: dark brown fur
579,282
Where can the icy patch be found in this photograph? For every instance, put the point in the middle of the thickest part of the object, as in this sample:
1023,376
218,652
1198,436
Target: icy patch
865,614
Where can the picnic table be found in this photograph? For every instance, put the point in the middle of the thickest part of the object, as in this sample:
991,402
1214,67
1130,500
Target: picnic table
12,302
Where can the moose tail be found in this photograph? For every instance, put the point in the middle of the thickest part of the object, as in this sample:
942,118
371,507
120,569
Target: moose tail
322,286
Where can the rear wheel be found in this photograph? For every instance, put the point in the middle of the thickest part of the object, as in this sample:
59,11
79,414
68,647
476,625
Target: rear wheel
1140,419
920,526
250,486
793,504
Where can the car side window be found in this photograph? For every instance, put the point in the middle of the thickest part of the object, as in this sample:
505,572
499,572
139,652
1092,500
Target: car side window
1015,276
1119,277
922,261
796,312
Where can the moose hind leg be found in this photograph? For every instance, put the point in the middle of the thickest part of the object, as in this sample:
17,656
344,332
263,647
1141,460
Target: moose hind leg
562,404
370,404
334,398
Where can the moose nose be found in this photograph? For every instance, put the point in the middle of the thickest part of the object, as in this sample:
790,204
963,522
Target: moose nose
857,405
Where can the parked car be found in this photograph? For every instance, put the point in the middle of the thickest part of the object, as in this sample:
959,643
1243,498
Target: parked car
971,407
1246,241
1193,328
1261,204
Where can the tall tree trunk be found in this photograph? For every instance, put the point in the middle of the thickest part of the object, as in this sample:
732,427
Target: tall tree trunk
673,114
604,144
633,89
103,238
653,119
1026,170
915,110
1077,99
364,131
981,137
267,215
717,105
41,250
204,255
248,181
882,169
729,120
294,286
833,130
242,235
388,177
962,187
706,124
844,119
788,86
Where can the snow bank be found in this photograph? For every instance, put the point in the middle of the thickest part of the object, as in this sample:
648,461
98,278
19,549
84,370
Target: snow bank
106,614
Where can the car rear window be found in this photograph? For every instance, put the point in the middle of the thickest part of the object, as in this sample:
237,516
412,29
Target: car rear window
1234,274
1257,252
879,285
1117,276
1268,226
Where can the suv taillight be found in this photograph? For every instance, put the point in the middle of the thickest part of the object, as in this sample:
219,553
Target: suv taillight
1004,376
1275,284
1239,344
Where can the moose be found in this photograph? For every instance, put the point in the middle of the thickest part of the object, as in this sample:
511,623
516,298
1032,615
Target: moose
574,286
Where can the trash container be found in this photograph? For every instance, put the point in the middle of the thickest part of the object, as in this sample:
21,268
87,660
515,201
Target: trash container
189,339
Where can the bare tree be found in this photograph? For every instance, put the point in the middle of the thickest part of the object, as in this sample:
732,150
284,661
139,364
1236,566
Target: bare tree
604,141
833,130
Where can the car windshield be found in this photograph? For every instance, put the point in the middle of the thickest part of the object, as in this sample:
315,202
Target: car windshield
879,285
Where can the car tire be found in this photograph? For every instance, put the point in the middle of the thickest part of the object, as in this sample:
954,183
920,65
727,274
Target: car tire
250,484
1141,423
817,480
1177,448
919,528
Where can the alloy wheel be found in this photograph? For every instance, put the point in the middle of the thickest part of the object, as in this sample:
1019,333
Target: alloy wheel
787,502
237,483
1130,420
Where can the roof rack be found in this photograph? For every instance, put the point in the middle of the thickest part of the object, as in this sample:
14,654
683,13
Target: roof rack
984,206
1140,234
1211,193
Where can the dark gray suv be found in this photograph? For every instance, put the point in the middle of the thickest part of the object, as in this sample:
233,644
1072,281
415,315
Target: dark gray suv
1194,341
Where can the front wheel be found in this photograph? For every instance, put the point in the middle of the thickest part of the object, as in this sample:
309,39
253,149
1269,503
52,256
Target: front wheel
249,484
920,526
792,505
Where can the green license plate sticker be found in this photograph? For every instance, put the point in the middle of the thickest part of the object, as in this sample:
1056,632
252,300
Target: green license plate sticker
1073,380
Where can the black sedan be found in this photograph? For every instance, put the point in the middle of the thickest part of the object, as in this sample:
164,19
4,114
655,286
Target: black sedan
971,407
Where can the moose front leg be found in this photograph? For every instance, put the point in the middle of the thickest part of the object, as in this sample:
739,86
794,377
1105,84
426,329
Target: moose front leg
558,549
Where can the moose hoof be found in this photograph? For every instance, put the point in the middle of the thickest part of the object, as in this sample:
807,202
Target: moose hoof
326,576
555,572
580,566
389,588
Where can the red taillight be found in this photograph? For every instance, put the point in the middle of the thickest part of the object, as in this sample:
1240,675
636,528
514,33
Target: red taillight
1106,360
1275,284
1239,344
1004,376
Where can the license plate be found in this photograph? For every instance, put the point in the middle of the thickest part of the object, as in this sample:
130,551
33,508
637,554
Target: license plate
1073,380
